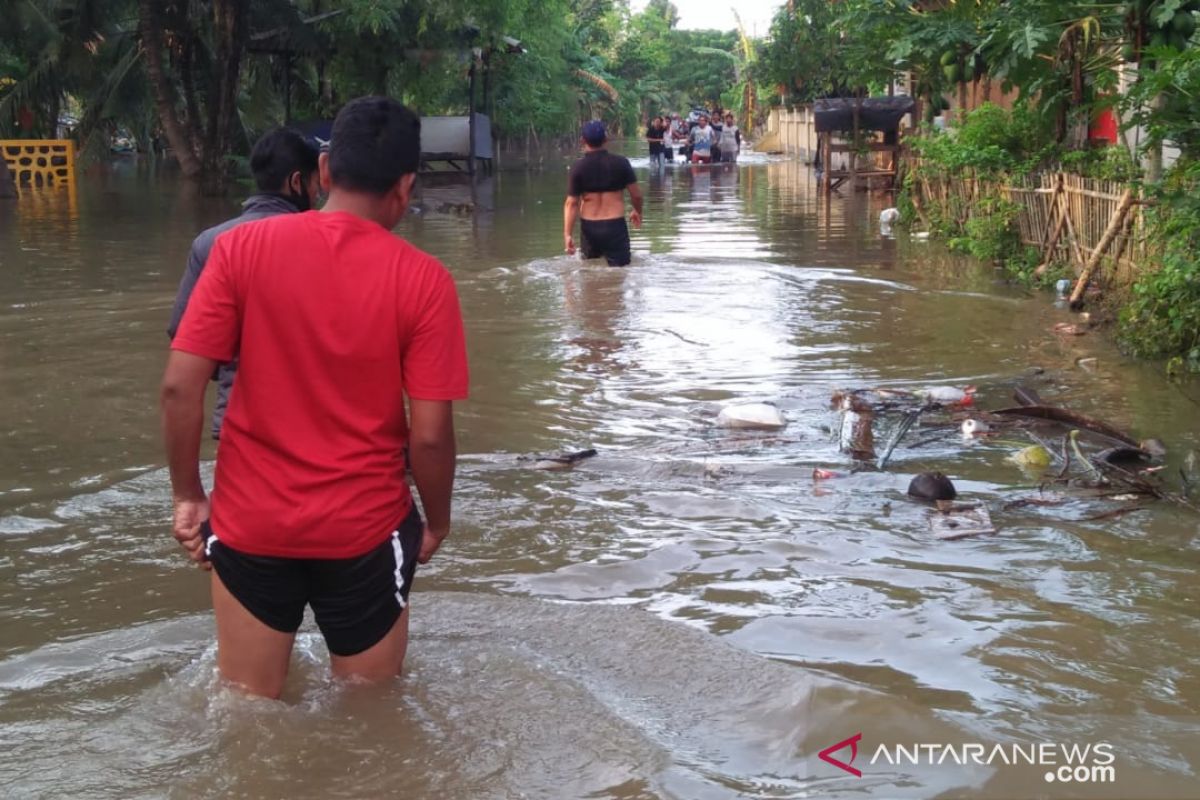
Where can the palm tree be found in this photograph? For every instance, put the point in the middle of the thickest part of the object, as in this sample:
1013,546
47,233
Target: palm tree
58,42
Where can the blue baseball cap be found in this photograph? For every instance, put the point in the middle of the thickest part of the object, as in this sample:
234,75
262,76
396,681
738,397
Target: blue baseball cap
593,133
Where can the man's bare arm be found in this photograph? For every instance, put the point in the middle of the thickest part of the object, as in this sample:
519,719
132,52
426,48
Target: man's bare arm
570,215
182,402
635,197
431,454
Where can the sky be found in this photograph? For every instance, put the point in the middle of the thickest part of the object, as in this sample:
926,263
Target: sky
756,14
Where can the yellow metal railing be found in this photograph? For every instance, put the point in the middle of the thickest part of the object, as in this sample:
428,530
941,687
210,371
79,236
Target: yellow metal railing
40,162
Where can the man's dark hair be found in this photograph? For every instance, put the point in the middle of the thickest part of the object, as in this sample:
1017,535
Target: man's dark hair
279,153
375,141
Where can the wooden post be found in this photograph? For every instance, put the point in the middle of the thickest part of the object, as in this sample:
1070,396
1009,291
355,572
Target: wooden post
471,117
485,60
810,127
1114,225
854,148
8,187
825,156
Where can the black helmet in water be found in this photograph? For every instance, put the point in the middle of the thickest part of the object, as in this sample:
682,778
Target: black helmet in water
932,486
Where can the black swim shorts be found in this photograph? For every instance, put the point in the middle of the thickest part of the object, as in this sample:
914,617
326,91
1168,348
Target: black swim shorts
606,237
356,601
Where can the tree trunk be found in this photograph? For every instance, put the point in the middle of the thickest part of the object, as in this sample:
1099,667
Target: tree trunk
52,116
324,90
187,78
152,41
1154,150
229,35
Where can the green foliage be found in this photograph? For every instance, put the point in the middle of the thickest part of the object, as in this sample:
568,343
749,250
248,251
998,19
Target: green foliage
991,141
1163,317
581,59
802,56
991,145
1164,100
1111,163
989,230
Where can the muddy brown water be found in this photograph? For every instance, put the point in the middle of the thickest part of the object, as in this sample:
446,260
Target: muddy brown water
687,614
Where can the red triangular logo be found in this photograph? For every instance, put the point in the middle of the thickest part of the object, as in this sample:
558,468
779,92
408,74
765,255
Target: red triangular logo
853,743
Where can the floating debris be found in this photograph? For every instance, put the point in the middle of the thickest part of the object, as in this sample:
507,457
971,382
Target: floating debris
1123,456
752,416
932,486
1069,329
909,420
558,462
1034,457
1071,418
878,399
974,427
1154,447
948,396
863,400
856,437
1026,396
959,522
826,474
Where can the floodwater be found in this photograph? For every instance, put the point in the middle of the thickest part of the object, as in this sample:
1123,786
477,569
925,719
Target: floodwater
686,615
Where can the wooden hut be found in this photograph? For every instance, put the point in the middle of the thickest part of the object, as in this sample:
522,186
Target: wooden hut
855,122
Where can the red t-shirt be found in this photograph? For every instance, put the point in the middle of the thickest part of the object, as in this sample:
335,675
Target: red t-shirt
333,320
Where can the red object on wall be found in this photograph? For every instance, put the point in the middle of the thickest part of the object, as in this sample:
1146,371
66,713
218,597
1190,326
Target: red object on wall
1104,127
25,118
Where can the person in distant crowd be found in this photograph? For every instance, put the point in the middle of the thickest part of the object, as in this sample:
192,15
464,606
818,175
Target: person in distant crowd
702,139
731,139
596,188
679,135
654,138
717,123
284,166
337,321
668,139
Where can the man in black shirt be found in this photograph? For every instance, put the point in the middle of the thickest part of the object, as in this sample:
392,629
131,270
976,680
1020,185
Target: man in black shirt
596,189
717,127
654,138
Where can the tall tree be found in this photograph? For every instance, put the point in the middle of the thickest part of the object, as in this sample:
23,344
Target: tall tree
179,57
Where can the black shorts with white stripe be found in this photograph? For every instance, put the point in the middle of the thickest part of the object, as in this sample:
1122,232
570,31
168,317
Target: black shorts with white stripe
356,601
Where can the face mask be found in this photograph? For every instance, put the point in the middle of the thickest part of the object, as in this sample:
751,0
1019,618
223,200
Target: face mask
301,199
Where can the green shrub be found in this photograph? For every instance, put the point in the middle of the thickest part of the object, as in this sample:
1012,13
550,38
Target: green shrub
1163,317
991,141
1111,163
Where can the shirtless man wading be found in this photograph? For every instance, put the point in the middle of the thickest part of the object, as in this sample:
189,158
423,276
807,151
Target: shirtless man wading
596,190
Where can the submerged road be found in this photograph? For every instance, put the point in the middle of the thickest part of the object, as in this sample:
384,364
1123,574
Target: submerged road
688,614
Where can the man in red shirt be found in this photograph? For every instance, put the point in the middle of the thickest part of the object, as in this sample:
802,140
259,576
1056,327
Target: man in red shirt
334,320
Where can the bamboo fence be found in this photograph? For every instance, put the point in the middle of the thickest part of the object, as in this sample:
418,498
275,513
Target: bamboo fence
1086,223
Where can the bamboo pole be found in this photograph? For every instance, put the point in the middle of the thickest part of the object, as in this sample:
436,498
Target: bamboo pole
1114,225
1123,243
1050,244
919,208
1071,237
